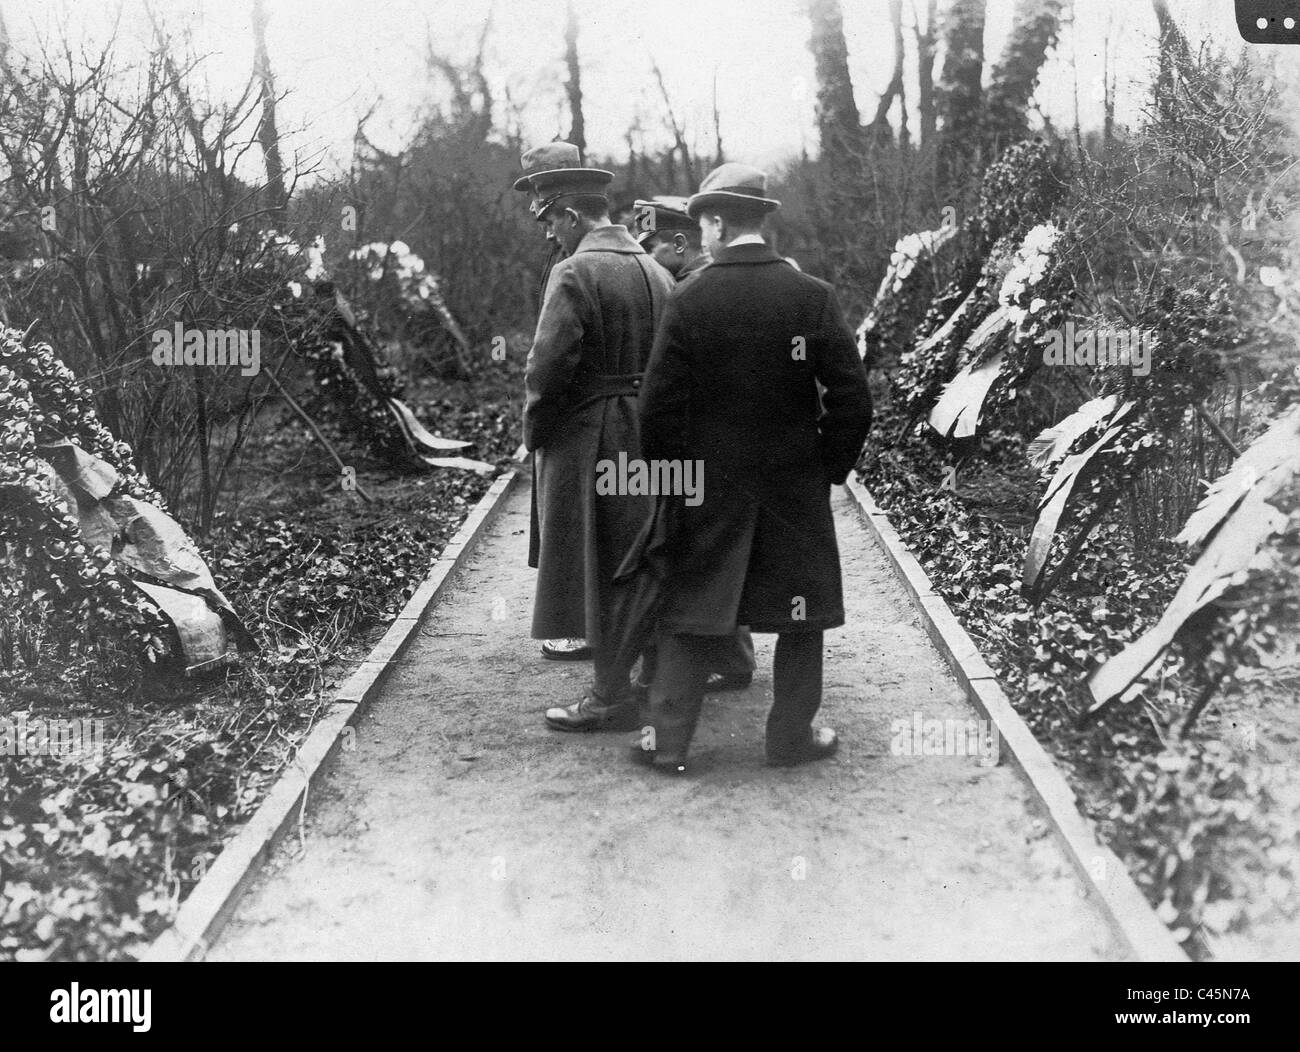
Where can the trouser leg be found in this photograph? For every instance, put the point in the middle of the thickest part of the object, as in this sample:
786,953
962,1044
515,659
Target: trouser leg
678,692
744,648
649,659
735,657
611,683
797,691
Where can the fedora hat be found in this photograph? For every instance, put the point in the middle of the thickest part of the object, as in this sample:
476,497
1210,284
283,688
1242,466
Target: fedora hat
662,213
732,183
556,159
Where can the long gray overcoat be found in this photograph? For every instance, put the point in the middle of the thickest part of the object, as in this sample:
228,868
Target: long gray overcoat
594,335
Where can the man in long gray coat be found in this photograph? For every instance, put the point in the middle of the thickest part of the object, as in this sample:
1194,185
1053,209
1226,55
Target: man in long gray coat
583,375
754,374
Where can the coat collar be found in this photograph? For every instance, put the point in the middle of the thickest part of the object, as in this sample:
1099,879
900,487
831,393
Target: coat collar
752,252
612,238
693,267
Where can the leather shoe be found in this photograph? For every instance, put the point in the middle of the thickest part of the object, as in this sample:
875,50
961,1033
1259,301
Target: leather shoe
721,682
659,761
566,650
589,714
821,744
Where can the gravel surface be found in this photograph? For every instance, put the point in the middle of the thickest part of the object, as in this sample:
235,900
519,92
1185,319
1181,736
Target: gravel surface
460,827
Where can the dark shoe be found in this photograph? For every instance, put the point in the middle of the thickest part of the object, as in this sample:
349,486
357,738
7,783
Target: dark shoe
591,715
721,682
821,744
659,761
566,650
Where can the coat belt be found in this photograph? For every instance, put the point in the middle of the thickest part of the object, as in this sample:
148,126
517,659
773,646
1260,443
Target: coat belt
596,388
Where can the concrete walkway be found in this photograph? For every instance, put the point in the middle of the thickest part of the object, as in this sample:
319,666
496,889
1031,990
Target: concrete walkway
460,827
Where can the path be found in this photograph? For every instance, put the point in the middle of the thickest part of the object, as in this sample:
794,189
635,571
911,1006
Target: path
460,827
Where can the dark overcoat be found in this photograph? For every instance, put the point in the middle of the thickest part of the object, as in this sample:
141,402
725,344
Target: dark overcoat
594,335
755,373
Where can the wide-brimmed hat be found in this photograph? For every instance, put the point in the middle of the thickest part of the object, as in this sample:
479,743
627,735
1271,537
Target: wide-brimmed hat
557,159
660,214
732,183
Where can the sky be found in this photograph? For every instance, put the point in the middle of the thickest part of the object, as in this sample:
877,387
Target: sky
339,59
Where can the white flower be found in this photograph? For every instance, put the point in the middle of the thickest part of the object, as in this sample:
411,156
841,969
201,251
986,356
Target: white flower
1030,263
908,251
316,259
1038,304
296,289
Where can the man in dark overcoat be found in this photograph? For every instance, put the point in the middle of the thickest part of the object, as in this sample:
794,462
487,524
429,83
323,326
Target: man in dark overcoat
582,378
665,229
755,374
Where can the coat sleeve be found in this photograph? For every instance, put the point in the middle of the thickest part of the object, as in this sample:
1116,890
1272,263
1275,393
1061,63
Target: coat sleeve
846,400
553,357
666,390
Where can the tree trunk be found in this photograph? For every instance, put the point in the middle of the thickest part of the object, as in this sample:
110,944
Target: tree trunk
632,169
958,94
838,123
925,41
1173,56
267,133
573,86
881,133
1033,33
717,125
1108,92
679,139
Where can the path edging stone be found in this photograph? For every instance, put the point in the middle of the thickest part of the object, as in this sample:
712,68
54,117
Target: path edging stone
1100,869
212,902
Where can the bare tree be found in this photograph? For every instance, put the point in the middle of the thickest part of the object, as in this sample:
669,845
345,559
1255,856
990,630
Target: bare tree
465,83
838,122
1108,85
267,132
925,53
633,162
1034,32
879,126
958,95
1174,55
679,137
153,228
573,86
717,124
